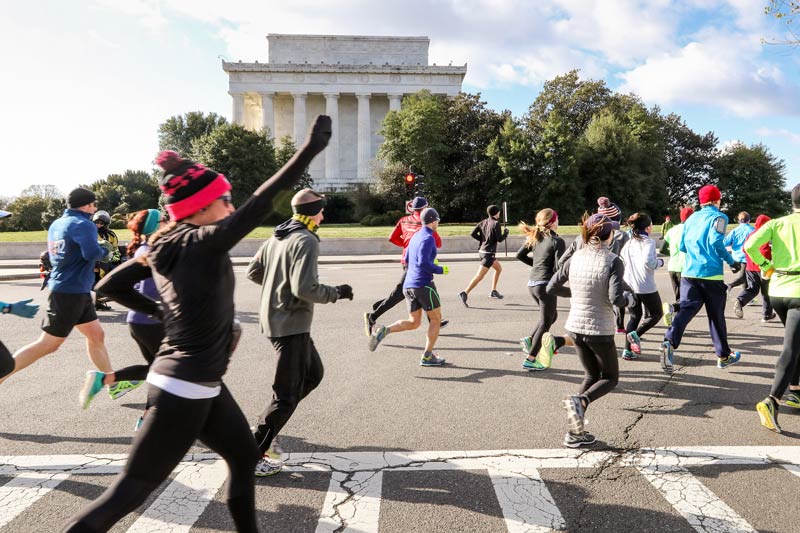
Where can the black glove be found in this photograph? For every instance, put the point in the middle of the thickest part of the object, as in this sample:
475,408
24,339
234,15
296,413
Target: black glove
736,267
505,232
345,291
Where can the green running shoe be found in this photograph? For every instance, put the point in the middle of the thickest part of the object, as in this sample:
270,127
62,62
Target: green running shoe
91,386
768,413
431,360
121,388
667,308
526,343
793,399
547,350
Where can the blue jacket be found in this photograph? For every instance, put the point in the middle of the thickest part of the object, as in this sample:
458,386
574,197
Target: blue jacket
419,257
72,244
735,240
703,243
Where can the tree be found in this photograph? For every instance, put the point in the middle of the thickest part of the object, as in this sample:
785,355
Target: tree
786,11
283,153
687,158
55,208
131,191
180,131
247,158
751,179
30,207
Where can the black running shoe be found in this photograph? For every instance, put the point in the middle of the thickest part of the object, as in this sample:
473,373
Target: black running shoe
496,295
443,324
576,441
102,306
463,297
368,323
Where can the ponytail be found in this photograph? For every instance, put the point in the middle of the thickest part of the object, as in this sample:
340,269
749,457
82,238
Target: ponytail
543,228
639,222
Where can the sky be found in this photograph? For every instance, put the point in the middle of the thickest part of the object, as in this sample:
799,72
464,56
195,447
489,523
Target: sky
85,83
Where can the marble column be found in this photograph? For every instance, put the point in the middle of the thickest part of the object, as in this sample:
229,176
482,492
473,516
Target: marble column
237,113
332,151
364,137
299,117
394,102
268,113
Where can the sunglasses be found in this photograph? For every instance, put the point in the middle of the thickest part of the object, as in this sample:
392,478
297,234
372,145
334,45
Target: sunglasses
227,199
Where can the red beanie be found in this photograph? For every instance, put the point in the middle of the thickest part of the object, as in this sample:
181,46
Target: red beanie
708,194
188,186
761,220
686,212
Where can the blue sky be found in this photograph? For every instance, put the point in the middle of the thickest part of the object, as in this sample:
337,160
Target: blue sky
86,83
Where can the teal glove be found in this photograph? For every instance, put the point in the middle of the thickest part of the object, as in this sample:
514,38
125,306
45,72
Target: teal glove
22,308
445,269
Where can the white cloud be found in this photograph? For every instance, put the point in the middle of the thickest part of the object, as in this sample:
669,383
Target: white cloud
719,69
783,133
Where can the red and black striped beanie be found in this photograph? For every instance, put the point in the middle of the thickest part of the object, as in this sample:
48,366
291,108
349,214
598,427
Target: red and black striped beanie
187,185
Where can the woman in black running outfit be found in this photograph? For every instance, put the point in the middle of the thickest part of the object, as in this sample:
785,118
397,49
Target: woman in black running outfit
190,264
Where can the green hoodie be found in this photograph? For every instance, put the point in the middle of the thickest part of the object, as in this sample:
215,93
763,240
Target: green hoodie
784,233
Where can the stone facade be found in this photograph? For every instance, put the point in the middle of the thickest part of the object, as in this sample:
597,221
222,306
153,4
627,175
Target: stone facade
354,79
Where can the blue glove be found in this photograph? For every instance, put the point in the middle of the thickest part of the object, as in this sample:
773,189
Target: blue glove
23,308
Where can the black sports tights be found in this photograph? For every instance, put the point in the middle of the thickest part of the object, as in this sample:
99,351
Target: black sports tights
653,313
148,337
548,314
169,430
786,367
598,355
6,361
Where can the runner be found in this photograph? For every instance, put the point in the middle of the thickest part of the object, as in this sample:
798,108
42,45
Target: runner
190,264
148,332
541,251
675,265
735,240
596,286
102,220
702,279
488,232
24,309
754,282
286,268
420,290
639,257
784,294
405,228
74,250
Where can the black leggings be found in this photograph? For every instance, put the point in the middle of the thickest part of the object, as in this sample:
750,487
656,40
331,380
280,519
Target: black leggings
675,279
548,314
598,355
298,371
168,432
6,361
395,297
652,304
786,367
148,337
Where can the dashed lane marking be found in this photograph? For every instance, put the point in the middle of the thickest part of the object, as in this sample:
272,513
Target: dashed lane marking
352,503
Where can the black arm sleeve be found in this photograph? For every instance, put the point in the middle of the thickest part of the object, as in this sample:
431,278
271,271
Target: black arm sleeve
523,254
616,284
559,279
477,234
118,285
568,252
499,234
227,233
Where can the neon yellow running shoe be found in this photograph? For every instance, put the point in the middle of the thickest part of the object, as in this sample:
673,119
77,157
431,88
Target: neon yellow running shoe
768,413
793,399
121,388
547,350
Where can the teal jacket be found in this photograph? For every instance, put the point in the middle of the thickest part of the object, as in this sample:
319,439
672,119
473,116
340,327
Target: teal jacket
703,242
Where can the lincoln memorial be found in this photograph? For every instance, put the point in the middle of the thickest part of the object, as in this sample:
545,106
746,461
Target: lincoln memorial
356,80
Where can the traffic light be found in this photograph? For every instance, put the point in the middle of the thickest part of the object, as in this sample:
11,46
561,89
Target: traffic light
410,179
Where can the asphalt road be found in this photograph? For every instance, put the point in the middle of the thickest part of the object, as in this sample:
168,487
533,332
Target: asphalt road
480,403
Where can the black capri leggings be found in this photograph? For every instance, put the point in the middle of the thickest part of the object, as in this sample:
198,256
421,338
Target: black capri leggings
6,361
168,432
652,304
598,355
786,367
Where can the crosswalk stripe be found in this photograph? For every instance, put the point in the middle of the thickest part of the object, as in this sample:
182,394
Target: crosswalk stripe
179,506
24,490
527,505
353,499
704,511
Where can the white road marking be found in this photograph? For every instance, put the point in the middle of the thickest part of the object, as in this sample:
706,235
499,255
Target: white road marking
179,506
354,495
24,490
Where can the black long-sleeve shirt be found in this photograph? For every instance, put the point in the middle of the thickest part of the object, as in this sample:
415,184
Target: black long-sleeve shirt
489,232
195,280
542,256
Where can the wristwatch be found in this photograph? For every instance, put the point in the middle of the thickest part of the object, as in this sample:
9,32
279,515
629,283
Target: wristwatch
6,309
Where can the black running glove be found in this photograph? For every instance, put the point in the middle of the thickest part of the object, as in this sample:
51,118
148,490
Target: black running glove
345,291
736,267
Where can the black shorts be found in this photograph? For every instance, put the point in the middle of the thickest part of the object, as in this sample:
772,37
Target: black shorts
487,260
65,311
6,361
426,298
